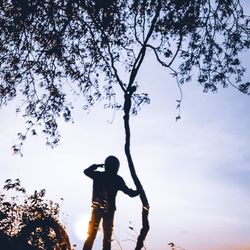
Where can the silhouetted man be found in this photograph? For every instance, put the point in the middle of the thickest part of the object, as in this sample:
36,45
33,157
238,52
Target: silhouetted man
106,184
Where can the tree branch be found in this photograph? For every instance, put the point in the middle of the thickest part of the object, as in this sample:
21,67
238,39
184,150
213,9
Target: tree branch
142,52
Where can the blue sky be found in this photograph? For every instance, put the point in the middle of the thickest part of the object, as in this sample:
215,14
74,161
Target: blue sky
196,171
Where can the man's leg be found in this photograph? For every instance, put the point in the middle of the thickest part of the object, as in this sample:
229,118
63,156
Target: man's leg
108,220
93,228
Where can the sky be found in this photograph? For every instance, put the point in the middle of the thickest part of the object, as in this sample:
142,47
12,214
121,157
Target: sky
196,172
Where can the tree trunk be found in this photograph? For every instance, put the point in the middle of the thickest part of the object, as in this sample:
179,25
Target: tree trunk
145,205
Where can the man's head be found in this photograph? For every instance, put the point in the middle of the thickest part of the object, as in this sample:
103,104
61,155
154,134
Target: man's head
111,165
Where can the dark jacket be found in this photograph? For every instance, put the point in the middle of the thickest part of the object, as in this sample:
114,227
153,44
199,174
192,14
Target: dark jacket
105,188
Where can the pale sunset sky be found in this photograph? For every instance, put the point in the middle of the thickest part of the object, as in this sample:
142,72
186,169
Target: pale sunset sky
196,172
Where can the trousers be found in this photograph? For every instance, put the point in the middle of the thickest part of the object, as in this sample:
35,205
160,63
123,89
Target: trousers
107,225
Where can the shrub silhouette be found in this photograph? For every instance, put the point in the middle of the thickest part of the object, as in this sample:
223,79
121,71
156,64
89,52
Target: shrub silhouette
30,222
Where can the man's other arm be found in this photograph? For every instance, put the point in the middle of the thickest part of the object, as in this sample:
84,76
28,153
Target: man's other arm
130,192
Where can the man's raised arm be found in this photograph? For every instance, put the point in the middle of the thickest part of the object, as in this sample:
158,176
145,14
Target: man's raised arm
90,171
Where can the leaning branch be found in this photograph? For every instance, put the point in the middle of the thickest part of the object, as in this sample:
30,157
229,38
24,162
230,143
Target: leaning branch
145,209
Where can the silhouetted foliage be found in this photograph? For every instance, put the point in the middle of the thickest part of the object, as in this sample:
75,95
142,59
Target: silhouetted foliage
95,49
29,222
48,48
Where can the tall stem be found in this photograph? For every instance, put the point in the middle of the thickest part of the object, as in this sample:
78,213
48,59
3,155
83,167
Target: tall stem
143,197
127,107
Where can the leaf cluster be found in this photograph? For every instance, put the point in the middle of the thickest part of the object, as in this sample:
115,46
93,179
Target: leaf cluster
95,48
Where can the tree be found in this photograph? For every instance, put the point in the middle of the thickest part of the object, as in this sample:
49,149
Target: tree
96,48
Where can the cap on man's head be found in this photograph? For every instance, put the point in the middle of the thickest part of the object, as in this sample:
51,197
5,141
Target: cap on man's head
111,164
